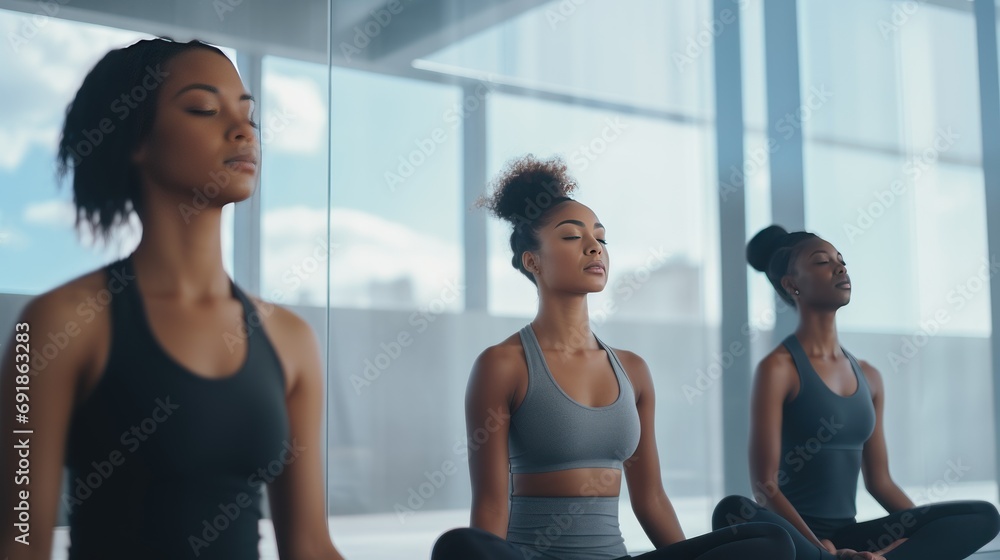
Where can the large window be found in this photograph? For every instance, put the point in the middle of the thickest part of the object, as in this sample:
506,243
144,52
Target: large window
381,125
893,178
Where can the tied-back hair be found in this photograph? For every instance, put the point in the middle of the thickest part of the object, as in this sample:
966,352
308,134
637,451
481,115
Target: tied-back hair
772,251
524,194
110,116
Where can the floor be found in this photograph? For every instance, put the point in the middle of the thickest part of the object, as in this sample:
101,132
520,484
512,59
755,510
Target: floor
386,536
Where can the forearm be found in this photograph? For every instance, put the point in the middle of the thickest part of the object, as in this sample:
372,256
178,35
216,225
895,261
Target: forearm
778,503
891,497
658,519
490,517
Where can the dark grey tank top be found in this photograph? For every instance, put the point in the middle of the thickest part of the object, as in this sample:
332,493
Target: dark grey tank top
550,431
822,436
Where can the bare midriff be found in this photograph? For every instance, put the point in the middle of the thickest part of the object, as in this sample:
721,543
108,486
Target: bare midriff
571,482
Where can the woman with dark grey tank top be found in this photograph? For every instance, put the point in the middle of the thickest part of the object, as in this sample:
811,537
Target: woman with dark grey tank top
817,422
557,415
176,397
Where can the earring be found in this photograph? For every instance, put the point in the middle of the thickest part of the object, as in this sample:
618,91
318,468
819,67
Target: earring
796,292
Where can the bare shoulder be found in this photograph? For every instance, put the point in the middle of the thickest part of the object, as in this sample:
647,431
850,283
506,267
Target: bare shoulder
74,305
776,375
777,365
501,366
873,377
636,369
75,319
293,338
278,318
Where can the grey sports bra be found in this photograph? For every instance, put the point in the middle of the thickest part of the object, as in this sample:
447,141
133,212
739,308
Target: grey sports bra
550,431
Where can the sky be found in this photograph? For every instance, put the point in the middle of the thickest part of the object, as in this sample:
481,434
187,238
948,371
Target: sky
396,227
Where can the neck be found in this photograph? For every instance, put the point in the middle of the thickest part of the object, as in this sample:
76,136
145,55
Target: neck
817,332
180,255
563,321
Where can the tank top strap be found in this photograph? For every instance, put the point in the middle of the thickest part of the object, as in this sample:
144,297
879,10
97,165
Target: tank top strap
616,365
532,352
858,372
802,365
125,305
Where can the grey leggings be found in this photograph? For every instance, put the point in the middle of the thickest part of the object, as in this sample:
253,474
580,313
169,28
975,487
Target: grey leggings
748,541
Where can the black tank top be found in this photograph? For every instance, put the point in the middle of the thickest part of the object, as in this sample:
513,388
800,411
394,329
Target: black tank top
822,437
164,463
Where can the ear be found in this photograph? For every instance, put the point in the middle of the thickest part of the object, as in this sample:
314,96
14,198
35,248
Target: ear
530,262
789,285
139,154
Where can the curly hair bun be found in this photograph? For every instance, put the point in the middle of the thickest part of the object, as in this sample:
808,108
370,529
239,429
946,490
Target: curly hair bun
527,187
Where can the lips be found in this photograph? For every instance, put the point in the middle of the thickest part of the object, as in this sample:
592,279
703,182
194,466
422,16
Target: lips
845,284
242,163
596,267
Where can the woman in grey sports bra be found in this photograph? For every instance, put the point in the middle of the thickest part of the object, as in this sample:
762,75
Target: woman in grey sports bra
555,416
817,418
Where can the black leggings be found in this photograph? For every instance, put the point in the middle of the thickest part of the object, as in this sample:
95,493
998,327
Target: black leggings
944,531
749,540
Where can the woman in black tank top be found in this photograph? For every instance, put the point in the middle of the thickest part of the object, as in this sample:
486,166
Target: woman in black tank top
173,399
817,422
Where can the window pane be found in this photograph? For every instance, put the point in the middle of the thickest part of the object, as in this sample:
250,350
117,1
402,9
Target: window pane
894,180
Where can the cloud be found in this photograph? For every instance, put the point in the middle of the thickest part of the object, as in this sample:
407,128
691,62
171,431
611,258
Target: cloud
52,213
43,63
371,261
296,119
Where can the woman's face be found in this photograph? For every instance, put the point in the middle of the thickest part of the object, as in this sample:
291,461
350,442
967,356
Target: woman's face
819,273
202,148
572,256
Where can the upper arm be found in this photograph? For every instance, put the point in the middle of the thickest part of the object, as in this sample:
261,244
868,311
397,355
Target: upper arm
772,385
48,404
297,500
488,397
642,469
875,457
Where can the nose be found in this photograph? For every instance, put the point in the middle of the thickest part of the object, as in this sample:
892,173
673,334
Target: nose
594,246
242,129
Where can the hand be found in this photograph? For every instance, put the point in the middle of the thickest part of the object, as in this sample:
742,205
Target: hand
851,554
891,546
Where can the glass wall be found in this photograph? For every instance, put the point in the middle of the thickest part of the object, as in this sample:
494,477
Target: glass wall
893,178
382,123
